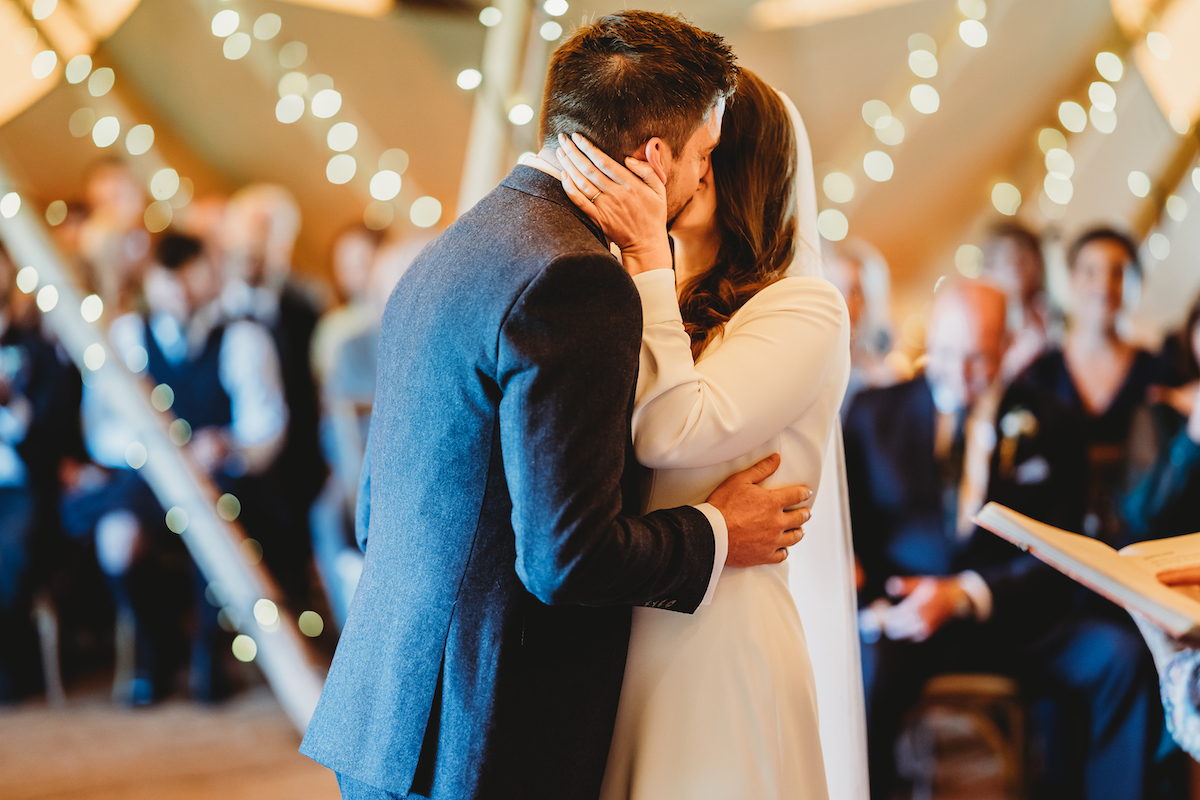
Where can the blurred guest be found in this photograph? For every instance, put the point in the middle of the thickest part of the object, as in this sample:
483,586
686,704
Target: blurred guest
941,595
259,230
113,241
1166,499
345,351
860,274
225,384
1012,259
35,420
1096,375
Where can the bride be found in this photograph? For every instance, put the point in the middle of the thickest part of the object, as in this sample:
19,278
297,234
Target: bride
744,353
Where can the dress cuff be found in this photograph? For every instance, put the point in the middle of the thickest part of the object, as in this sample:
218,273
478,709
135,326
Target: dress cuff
659,302
721,538
977,589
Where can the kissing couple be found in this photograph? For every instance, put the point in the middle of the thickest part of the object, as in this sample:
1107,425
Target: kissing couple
585,475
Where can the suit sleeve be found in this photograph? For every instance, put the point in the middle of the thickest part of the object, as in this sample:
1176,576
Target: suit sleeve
864,514
566,364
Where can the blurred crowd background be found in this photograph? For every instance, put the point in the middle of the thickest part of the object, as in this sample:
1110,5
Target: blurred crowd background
234,221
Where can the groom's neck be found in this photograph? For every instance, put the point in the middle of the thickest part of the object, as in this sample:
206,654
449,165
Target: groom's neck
545,161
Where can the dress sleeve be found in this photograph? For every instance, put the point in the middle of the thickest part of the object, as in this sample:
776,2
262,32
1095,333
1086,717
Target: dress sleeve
777,357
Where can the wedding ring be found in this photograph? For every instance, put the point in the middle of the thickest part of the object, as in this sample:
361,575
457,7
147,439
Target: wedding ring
592,199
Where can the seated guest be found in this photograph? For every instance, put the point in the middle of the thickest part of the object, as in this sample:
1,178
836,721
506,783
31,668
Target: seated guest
259,229
1012,259
226,386
921,458
860,274
1096,375
1166,499
36,390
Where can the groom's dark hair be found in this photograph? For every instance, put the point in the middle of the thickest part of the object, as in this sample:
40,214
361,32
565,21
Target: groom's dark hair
634,75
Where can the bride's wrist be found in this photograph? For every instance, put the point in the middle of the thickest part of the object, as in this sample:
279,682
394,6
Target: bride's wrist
643,259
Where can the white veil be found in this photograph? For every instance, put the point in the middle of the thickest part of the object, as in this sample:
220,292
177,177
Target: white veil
821,567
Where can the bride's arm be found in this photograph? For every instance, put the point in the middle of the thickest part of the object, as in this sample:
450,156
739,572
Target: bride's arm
790,346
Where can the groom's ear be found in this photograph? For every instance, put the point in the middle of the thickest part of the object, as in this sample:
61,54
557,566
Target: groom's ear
657,155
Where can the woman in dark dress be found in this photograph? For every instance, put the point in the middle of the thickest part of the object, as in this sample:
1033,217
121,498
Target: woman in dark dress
1097,374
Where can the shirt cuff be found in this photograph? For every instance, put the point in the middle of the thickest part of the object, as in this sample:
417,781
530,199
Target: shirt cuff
659,301
721,537
977,589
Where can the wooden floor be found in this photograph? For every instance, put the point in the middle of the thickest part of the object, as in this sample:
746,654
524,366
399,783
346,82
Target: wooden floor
244,749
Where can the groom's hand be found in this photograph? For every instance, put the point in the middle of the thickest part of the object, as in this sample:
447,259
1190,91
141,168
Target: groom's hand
760,527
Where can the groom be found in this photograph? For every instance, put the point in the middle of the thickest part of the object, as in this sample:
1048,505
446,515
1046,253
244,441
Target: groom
485,647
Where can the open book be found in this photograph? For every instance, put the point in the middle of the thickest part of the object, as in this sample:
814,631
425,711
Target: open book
1158,579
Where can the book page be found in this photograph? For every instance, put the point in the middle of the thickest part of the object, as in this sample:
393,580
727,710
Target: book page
1174,561
1133,580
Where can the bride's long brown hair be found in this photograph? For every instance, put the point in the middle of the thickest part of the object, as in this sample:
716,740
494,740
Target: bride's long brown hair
754,169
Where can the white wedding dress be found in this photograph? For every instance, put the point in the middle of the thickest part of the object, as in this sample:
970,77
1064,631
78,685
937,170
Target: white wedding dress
723,703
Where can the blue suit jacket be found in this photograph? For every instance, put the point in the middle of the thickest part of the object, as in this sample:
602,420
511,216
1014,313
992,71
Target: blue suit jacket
485,646
896,507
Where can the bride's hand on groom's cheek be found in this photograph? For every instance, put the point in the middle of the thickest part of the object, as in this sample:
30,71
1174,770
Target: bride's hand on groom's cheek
629,202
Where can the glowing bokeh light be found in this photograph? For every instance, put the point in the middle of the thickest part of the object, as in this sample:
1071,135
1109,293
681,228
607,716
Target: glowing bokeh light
293,54
1006,198
385,184
177,520
551,31
1072,116
1060,163
27,279
968,260
1139,183
1159,246
225,22
1177,207
1159,45
341,168
44,63
164,184
101,82
135,455
106,131
878,166
555,8
267,27
394,159
158,216
1102,95
973,32
1060,190
81,123
91,308
1110,66
922,41
237,46
838,187
1179,122
47,298
890,131
43,8
469,79
228,507
924,98
326,103
490,16
56,213
875,110
923,63
266,614
289,108
520,114
139,139
378,215
1051,139
293,83
244,648
342,136
137,359
833,225
163,397
78,68
1103,121
973,9
425,212
10,204
310,622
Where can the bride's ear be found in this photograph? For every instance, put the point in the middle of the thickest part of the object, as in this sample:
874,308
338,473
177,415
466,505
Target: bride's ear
656,155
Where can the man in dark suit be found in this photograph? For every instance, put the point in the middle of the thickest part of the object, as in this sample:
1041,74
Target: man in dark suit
485,646
941,595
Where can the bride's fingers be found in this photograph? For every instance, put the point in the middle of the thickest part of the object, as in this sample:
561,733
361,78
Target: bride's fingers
601,159
584,164
579,198
588,189
643,170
